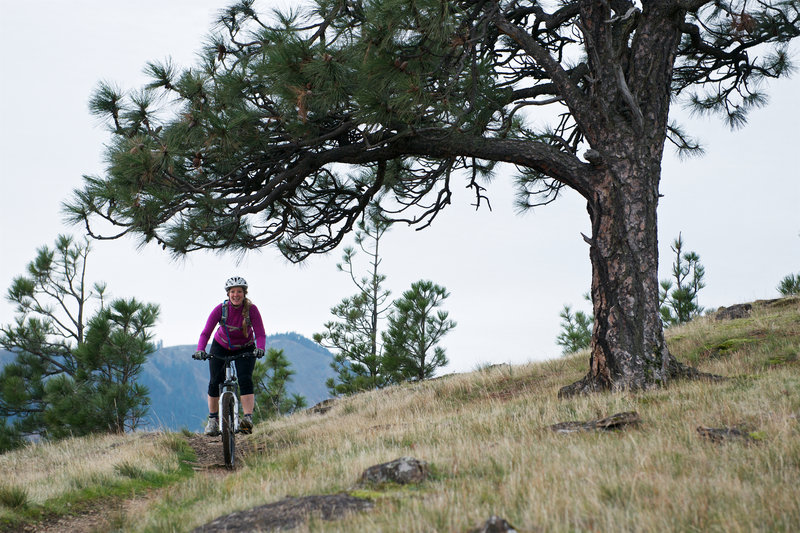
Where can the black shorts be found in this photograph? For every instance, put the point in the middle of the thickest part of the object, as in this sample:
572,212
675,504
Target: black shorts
244,369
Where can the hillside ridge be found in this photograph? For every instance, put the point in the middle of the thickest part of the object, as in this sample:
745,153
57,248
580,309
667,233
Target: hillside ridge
491,439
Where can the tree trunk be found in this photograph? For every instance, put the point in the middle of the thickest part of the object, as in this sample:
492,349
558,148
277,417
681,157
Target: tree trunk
628,347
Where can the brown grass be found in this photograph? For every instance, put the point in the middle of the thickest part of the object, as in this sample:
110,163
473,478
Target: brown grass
486,436
54,470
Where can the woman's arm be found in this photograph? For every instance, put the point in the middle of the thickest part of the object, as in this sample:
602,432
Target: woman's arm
211,323
258,327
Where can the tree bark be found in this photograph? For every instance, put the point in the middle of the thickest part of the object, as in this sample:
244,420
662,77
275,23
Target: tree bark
628,350
628,347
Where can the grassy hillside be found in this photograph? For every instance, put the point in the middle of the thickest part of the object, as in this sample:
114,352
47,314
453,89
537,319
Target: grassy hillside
487,437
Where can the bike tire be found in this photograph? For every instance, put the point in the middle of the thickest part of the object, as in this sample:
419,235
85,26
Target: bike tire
228,431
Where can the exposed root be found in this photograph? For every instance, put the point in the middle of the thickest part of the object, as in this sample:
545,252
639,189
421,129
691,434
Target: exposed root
587,385
590,384
678,370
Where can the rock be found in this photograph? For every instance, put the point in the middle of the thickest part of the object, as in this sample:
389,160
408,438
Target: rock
733,312
719,435
617,421
403,471
776,302
322,407
287,513
494,524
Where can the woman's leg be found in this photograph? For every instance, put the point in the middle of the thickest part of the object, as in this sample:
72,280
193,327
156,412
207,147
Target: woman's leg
244,370
216,375
248,401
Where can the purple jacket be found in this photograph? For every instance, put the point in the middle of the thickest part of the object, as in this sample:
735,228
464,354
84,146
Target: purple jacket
234,328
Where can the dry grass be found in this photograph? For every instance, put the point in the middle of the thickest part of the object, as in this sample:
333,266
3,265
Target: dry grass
486,435
54,471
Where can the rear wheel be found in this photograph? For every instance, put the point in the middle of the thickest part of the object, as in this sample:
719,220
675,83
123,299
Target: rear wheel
228,431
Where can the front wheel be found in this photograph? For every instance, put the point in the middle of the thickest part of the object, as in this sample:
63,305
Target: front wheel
228,431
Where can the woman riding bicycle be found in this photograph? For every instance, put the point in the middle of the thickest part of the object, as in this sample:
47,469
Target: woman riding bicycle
240,331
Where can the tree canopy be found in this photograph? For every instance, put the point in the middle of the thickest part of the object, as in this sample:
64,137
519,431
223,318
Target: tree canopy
290,128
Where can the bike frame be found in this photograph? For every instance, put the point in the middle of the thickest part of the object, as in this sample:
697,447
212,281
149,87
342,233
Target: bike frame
230,387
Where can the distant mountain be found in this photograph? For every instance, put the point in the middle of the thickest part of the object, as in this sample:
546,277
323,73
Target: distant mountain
178,383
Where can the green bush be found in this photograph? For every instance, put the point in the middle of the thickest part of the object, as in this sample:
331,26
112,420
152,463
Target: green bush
13,497
790,285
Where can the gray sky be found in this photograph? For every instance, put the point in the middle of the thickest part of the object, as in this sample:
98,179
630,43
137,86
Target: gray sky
508,275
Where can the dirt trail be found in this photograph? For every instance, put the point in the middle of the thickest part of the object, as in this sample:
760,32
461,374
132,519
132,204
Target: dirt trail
209,453
104,515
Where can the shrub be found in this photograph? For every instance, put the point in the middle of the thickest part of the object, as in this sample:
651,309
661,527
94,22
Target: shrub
790,285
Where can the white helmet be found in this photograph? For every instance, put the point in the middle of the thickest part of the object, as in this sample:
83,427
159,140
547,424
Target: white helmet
235,281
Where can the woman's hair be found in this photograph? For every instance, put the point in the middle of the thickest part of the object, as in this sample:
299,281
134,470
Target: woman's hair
246,314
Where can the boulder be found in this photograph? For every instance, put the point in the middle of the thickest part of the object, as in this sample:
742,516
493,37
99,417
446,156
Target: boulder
288,513
724,434
494,524
322,407
733,312
402,471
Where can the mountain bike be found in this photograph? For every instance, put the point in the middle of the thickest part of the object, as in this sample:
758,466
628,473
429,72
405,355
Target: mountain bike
229,406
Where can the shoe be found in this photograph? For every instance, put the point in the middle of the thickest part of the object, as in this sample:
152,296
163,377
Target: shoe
246,424
212,428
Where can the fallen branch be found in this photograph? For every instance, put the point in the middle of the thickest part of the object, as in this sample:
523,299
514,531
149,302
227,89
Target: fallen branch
609,423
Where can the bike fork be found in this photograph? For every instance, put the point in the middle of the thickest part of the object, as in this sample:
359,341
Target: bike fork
235,408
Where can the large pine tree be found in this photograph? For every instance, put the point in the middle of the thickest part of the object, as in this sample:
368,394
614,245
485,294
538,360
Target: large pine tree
289,129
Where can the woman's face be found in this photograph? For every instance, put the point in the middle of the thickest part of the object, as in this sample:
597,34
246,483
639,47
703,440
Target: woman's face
236,295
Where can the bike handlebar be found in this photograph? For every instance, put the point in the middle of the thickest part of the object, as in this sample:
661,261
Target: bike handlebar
203,356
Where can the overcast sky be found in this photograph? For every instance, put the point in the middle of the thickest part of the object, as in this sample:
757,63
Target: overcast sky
508,275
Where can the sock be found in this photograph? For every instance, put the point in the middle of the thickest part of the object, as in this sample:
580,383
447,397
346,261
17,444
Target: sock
213,415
